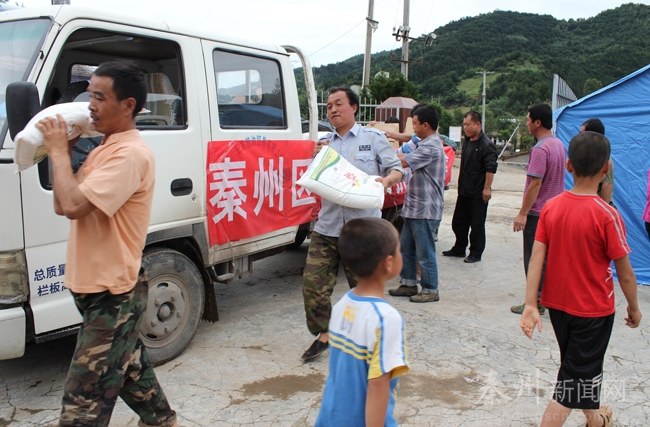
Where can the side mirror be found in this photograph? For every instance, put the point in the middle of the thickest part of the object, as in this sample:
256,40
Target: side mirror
22,104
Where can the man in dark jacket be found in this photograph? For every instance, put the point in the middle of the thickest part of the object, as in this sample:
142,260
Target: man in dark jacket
478,164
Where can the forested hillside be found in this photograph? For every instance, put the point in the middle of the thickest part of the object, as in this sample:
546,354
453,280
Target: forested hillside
523,49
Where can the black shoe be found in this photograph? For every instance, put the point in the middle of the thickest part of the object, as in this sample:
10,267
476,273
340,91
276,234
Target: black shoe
452,252
316,349
472,259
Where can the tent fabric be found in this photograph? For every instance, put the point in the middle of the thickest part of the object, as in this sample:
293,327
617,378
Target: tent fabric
624,109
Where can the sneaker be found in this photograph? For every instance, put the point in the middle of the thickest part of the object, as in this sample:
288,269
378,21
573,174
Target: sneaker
404,291
426,297
518,309
472,259
316,349
452,252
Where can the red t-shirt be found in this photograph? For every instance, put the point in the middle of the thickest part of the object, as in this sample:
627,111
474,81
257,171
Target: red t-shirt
583,235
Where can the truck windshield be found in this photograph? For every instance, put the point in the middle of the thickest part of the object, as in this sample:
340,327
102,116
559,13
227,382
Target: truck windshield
20,43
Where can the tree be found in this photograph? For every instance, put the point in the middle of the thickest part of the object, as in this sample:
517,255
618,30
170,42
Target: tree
457,117
591,85
444,118
381,88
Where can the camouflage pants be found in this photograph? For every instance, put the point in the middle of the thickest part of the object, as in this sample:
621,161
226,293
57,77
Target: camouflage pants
319,279
110,361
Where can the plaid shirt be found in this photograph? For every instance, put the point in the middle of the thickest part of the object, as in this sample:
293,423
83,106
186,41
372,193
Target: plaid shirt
425,193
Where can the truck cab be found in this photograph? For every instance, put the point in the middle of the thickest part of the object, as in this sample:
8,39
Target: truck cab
223,120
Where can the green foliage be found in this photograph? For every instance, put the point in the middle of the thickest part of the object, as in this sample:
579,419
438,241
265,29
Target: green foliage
591,85
381,88
524,50
444,118
474,84
519,90
526,142
457,117
457,98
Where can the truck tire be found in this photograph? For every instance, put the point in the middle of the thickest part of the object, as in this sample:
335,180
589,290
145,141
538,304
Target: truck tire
301,235
393,215
175,303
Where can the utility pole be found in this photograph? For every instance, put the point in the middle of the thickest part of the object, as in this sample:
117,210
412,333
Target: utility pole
405,40
402,34
372,26
484,79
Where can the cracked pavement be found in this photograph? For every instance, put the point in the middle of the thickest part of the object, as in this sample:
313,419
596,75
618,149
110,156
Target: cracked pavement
470,363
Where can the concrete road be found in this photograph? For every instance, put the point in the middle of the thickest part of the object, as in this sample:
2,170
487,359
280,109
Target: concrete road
470,363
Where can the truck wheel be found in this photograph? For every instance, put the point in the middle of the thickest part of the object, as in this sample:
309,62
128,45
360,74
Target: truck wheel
175,303
301,235
393,215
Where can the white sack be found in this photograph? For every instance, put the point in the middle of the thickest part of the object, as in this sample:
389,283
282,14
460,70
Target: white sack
337,180
29,142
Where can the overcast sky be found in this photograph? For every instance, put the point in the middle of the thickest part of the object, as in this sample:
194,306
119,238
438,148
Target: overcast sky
331,30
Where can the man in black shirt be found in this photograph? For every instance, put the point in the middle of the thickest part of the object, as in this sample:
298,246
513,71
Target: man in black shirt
478,164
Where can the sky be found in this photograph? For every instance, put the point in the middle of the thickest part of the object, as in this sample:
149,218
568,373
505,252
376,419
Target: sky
331,31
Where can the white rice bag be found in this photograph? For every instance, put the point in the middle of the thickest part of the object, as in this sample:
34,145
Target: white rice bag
337,180
29,142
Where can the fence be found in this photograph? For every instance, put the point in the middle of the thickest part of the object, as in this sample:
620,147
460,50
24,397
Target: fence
365,115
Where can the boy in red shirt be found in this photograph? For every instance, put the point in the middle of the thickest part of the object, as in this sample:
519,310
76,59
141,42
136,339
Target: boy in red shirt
582,235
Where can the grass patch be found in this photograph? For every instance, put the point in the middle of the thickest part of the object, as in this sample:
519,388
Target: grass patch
473,86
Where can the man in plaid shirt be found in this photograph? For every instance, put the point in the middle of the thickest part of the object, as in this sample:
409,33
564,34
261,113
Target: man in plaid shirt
422,209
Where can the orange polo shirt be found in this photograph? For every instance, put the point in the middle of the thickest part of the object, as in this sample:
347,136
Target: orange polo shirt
105,247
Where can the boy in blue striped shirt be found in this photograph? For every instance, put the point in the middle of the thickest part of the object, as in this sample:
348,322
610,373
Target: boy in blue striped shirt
366,336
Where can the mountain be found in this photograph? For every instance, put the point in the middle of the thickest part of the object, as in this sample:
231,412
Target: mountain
523,49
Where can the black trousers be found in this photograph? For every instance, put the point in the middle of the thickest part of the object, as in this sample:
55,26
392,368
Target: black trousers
529,238
470,213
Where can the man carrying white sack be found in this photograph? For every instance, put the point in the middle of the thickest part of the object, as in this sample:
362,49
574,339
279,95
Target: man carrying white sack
109,203
422,210
369,150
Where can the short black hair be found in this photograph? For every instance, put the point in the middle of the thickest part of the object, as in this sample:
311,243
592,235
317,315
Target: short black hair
128,82
392,119
416,106
543,113
474,116
594,125
588,153
365,242
428,114
352,96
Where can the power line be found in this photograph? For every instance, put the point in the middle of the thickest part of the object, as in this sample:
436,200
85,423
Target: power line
429,18
338,38
393,10
420,18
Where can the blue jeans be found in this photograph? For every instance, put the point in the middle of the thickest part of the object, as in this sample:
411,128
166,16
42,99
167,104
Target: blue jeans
418,245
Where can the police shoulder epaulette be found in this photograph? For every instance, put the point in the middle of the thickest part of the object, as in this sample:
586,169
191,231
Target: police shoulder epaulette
374,130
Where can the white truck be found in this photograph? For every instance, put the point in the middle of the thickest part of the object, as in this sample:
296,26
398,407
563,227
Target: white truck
223,119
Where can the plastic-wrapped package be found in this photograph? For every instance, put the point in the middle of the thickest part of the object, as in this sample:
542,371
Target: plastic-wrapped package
29,142
337,180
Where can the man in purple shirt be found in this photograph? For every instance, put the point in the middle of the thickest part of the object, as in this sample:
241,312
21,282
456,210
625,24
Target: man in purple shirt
544,180
422,210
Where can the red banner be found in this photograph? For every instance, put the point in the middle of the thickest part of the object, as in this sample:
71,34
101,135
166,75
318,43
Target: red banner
396,195
251,187
450,154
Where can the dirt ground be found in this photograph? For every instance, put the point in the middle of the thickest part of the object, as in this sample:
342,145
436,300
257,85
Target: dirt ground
470,364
